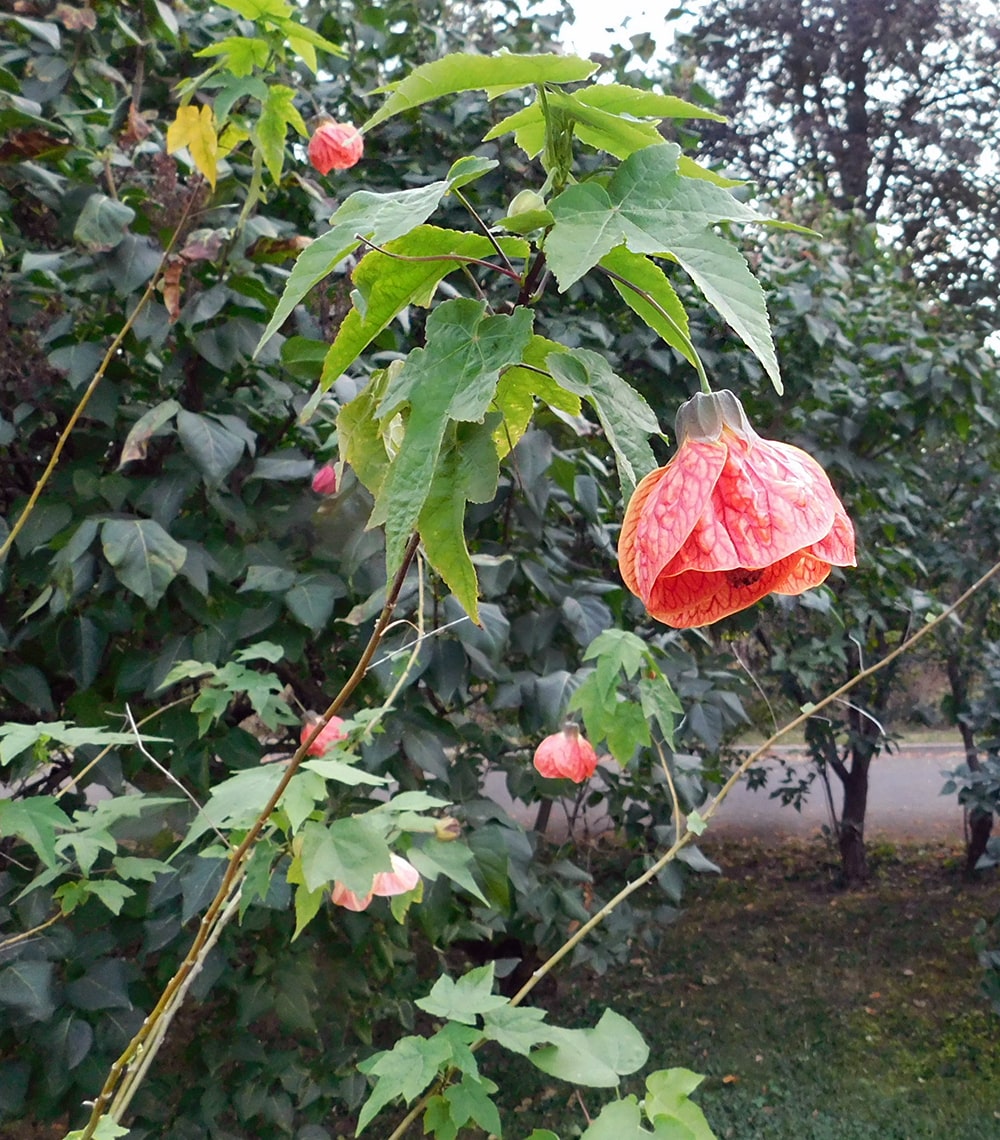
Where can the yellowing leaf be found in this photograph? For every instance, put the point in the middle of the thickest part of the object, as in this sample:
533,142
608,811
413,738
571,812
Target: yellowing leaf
194,128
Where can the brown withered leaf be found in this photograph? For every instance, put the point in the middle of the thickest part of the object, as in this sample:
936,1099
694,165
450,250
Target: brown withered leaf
29,143
171,286
75,19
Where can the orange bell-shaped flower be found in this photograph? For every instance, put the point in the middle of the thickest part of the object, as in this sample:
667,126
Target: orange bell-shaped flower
732,517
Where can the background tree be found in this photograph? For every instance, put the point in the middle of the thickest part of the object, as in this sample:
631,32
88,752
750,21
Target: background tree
891,109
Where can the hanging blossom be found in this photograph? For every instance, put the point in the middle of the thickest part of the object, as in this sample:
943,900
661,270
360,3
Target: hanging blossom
402,878
330,734
732,517
335,146
566,754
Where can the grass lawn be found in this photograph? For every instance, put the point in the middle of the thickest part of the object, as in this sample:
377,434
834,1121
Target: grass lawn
815,1014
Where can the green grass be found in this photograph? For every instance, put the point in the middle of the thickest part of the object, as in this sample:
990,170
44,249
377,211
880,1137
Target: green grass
815,1014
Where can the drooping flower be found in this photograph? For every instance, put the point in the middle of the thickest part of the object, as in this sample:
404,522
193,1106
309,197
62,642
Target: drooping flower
566,754
732,517
402,878
324,482
335,146
331,732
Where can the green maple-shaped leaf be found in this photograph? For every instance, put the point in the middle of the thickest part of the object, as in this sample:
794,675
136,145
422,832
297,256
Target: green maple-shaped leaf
453,378
627,419
464,71
651,208
467,472
463,1000
386,285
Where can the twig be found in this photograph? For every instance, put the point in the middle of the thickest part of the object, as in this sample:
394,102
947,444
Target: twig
73,781
170,776
486,229
80,408
26,934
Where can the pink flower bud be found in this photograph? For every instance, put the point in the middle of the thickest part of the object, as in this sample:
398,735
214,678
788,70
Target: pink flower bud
566,754
324,482
335,146
331,732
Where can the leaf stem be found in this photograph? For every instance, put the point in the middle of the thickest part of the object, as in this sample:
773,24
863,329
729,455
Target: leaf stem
692,355
511,273
490,237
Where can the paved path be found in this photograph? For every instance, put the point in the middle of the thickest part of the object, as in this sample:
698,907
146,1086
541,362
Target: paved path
904,802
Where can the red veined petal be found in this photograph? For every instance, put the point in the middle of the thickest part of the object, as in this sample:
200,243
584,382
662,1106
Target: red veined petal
668,510
699,597
808,571
770,500
838,545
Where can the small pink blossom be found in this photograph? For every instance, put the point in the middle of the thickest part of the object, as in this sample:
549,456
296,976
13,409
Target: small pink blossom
566,754
402,878
335,146
324,482
331,732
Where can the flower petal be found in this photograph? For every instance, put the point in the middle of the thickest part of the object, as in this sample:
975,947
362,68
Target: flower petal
664,510
699,597
837,546
808,572
770,500
348,899
402,878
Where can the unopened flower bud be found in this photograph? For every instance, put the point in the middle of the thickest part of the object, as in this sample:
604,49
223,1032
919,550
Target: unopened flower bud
335,146
330,734
447,829
324,482
525,202
566,754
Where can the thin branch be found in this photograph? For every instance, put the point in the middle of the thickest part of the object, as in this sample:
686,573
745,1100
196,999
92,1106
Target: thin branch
81,407
26,934
170,776
74,781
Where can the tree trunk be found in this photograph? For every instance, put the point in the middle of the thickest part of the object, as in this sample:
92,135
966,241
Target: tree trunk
851,828
980,821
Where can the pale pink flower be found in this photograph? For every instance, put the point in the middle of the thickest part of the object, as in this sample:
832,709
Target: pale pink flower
402,878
